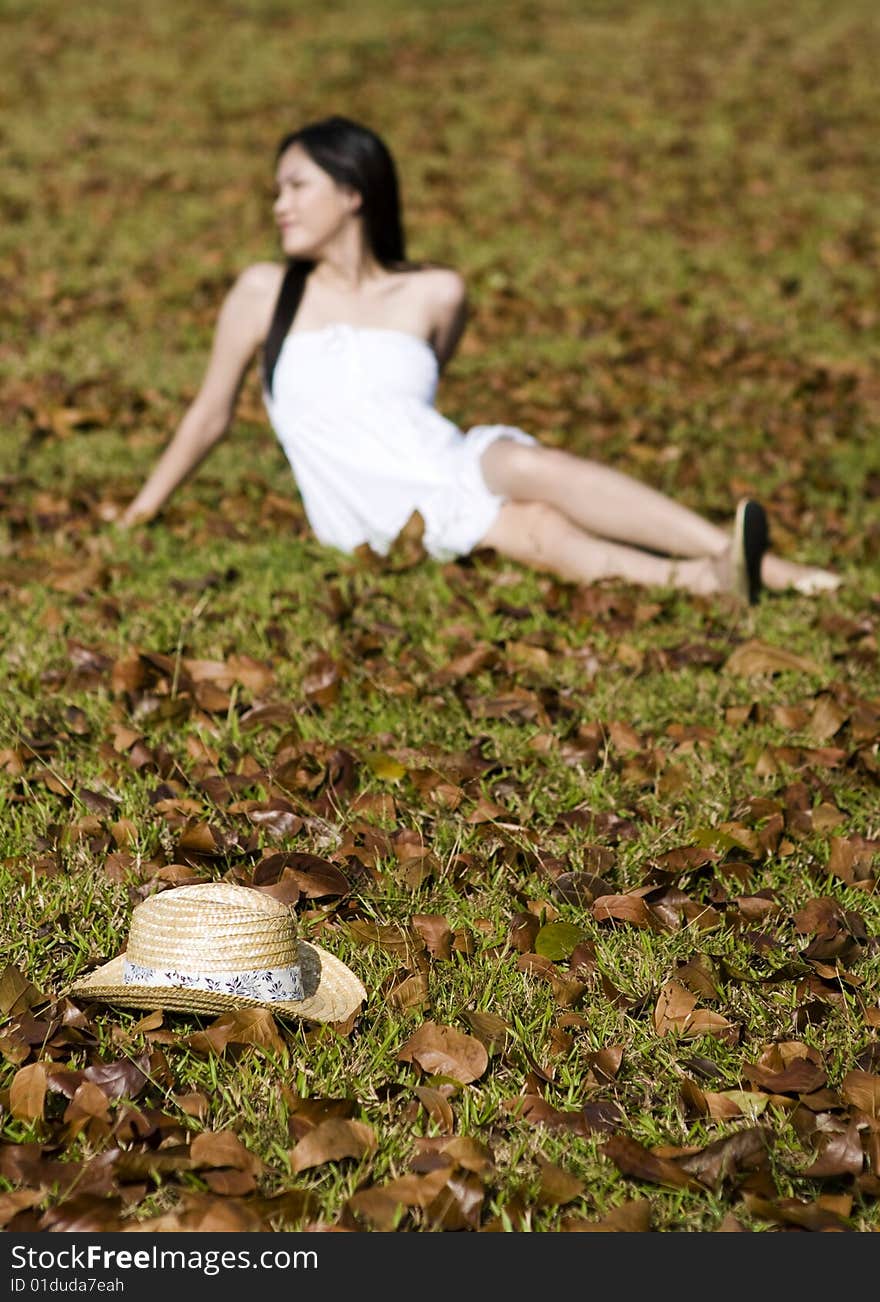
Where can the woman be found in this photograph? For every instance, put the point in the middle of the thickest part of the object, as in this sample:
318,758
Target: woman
354,339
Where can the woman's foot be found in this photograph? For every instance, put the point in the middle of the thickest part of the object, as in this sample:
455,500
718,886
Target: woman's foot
736,569
779,575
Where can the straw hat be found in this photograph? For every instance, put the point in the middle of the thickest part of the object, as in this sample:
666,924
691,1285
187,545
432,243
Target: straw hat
213,947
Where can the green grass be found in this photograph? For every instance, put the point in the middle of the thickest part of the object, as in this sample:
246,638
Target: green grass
664,214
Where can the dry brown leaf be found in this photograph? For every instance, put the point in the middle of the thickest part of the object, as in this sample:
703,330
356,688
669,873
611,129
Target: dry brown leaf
17,994
839,1153
792,1211
380,1203
88,1101
558,1186
410,991
723,1105
332,1141
444,1051
721,1162
229,1183
458,1204
493,1031
466,1152
18,1200
862,1090
390,937
754,658
437,1106
27,1093
83,1213
436,933
201,1214
799,1076
632,1217
623,908
632,1158
827,718
223,1148
676,1013
255,1026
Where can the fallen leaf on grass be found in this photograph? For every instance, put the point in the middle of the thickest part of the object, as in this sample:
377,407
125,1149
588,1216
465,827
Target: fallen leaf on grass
723,1105
380,1203
558,1186
523,929
27,1093
800,1076
791,1211
458,1204
827,719
202,1214
676,1013
288,1208
443,1051
721,1162
623,908
332,1141
315,877
457,1150
755,657
321,680
839,1153
223,1148
16,1201
390,938
633,1217
229,1183
633,1159
84,1213
89,1103
599,1116
490,1029
862,1090
17,994
558,940
437,1107
253,1026
436,933
581,888
409,991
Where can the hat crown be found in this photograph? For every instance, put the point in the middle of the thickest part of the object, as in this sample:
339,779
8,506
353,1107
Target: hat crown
212,927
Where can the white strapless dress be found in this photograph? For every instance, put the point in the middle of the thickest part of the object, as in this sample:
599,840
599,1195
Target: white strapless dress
353,409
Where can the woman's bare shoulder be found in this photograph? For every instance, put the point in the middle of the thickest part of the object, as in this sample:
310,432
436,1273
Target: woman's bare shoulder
259,280
444,286
441,295
250,303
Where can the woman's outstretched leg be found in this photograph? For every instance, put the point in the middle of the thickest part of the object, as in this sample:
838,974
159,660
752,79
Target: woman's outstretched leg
539,535
612,505
601,500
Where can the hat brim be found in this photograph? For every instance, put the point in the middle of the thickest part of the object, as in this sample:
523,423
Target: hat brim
333,992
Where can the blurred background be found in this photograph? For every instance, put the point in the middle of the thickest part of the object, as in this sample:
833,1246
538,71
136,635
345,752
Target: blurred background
665,209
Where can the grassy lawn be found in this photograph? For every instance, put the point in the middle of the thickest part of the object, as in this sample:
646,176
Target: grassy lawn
606,859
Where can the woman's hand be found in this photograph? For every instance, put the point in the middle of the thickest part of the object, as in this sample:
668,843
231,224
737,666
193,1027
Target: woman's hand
133,515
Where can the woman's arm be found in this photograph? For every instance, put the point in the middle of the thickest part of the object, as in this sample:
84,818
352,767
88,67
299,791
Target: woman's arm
449,311
242,325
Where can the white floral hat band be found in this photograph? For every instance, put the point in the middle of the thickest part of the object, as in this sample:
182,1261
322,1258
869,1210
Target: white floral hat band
271,985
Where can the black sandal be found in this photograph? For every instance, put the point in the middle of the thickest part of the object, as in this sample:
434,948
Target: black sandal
751,538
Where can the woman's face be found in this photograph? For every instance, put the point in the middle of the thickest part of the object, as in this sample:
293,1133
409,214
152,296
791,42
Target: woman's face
310,208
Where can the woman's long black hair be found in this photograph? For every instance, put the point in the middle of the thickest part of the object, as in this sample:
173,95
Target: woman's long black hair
354,156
